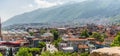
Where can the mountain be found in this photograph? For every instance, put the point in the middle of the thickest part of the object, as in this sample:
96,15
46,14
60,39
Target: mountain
89,11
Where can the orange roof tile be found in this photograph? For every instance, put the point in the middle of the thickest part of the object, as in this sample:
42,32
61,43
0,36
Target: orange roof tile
91,38
76,39
100,43
83,46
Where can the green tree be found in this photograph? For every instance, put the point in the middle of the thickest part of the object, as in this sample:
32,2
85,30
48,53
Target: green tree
56,42
1,54
118,33
42,31
31,33
34,51
95,35
84,33
116,41
98,36
59,54
64,54
23,52
41,44
74,54
55,34
46,53
84,54
10,52
101,38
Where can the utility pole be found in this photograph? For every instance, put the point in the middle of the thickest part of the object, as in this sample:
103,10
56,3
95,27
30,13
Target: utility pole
0,30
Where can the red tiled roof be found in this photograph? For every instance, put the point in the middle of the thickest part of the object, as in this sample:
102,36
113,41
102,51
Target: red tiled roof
83,46
100,26
76,39
100,43
20,41
91,38
110,38
35,39
16,43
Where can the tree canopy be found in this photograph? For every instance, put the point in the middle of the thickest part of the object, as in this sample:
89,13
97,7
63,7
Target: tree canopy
1,54
41,44
56,42
84,33
55,33
63,54
116,41
98,36
24,51
31,33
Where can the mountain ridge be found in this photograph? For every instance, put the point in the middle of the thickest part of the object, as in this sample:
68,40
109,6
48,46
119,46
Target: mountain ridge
94,10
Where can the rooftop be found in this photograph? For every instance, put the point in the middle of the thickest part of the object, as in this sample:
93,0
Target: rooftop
83,46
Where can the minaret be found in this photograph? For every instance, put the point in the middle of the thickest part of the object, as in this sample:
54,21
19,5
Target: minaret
1,29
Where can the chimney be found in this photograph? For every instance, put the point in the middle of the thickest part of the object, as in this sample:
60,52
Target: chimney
0,30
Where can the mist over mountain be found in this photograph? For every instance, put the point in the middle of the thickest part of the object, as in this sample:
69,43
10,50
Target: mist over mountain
89,11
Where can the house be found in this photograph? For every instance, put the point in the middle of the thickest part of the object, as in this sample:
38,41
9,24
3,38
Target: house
91,47
48,37
99,44
14,35
68,49
108,41
83,48
74,42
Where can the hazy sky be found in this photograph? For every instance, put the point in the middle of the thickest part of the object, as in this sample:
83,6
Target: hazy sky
10,8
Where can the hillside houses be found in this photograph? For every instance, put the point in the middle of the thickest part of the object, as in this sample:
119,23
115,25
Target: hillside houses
77,39
14,35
